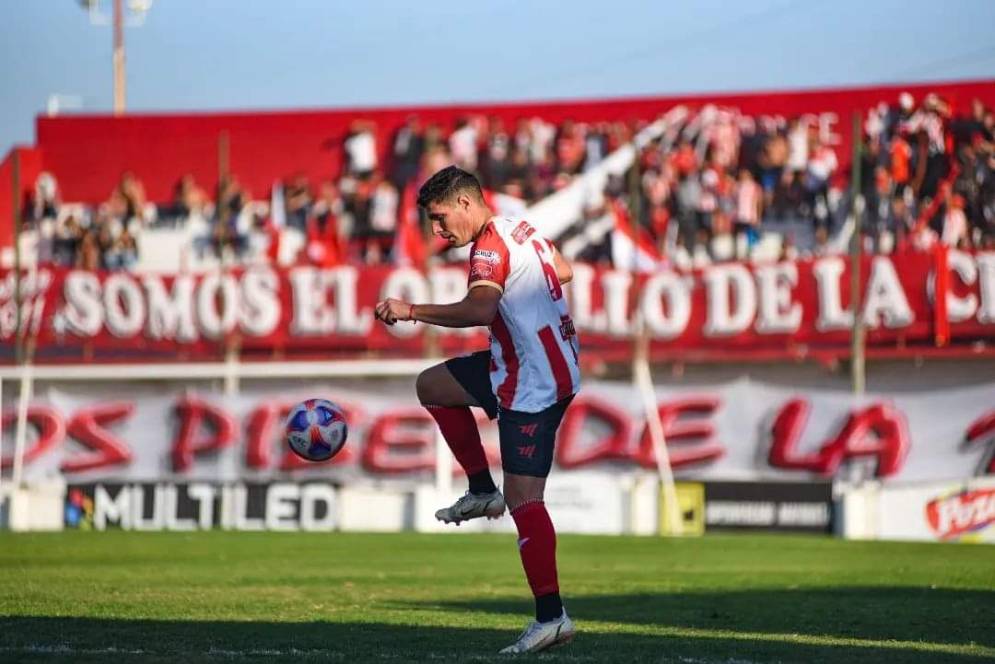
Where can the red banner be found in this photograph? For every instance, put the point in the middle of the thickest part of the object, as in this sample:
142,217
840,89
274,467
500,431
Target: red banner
786,309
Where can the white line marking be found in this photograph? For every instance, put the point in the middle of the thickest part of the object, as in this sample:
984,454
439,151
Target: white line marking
68,650
37,649
695,660
41,649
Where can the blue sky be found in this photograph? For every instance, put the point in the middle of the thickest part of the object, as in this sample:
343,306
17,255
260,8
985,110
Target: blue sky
238,54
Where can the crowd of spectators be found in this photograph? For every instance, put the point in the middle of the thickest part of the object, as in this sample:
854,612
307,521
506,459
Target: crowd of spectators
101,237
928,175
706,190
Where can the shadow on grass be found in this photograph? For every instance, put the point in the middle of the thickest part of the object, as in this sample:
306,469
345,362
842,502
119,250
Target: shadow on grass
717,627
909,618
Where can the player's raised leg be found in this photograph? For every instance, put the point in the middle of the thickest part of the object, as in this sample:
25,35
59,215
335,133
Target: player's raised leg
448,400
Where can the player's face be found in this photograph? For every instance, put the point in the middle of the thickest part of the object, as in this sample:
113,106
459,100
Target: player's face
451,220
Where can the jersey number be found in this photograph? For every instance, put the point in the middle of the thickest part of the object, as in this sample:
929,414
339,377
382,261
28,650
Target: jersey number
553,281
567,332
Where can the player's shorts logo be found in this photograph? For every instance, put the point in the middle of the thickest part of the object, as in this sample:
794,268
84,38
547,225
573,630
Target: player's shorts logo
526,450
528,429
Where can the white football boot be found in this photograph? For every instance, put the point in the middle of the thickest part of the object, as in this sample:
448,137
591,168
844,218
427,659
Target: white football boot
542,636
473,506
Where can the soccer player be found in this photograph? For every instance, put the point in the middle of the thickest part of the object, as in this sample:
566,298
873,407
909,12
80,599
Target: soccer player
526,380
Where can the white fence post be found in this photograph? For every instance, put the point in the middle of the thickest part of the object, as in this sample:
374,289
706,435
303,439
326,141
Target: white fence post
22,425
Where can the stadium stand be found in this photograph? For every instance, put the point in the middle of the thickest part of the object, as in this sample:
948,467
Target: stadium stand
723,185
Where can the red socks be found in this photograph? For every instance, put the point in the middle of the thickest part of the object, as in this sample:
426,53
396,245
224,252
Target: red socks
460,431
537,546
536,536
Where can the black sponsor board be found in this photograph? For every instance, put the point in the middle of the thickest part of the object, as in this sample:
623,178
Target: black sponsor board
201,505
781,506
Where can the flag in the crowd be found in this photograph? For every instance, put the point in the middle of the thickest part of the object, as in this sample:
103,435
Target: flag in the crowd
277,221
409,241
505,205
324,247
632,249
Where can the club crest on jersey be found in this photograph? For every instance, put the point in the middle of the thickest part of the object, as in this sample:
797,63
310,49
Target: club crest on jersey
522,232
481,270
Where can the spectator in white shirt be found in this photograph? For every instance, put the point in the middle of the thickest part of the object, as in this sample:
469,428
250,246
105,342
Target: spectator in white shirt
463,145
361,149
46,199
821,166
797,145
383,208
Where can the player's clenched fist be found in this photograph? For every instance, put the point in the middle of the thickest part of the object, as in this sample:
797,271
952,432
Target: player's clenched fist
392,310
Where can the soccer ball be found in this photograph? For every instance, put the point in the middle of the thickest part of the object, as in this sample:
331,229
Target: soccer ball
316,429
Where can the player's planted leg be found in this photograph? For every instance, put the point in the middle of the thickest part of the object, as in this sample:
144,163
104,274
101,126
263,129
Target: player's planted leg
537,547
539,636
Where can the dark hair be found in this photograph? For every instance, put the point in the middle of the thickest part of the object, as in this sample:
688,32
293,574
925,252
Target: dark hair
448,183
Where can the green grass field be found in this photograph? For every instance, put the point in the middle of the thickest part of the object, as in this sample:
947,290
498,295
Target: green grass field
168,597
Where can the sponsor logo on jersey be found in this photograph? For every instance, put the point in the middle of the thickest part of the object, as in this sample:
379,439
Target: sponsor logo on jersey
486,255
567,329
953,516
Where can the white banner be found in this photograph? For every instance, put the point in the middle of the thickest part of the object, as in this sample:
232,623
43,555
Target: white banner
735,430
939,512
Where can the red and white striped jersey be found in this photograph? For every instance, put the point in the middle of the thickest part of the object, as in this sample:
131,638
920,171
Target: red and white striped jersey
533,343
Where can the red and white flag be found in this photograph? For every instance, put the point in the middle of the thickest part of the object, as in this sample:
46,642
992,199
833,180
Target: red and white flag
632,249
277,221
409,241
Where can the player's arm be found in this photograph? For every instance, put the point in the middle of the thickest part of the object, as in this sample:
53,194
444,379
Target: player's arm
478,308
563,269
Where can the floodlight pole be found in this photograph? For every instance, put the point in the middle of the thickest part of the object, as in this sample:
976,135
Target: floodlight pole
857,364
138,9
119,78
224,155
642,376
15,185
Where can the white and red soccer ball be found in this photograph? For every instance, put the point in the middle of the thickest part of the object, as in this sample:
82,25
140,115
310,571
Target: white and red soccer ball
316,429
